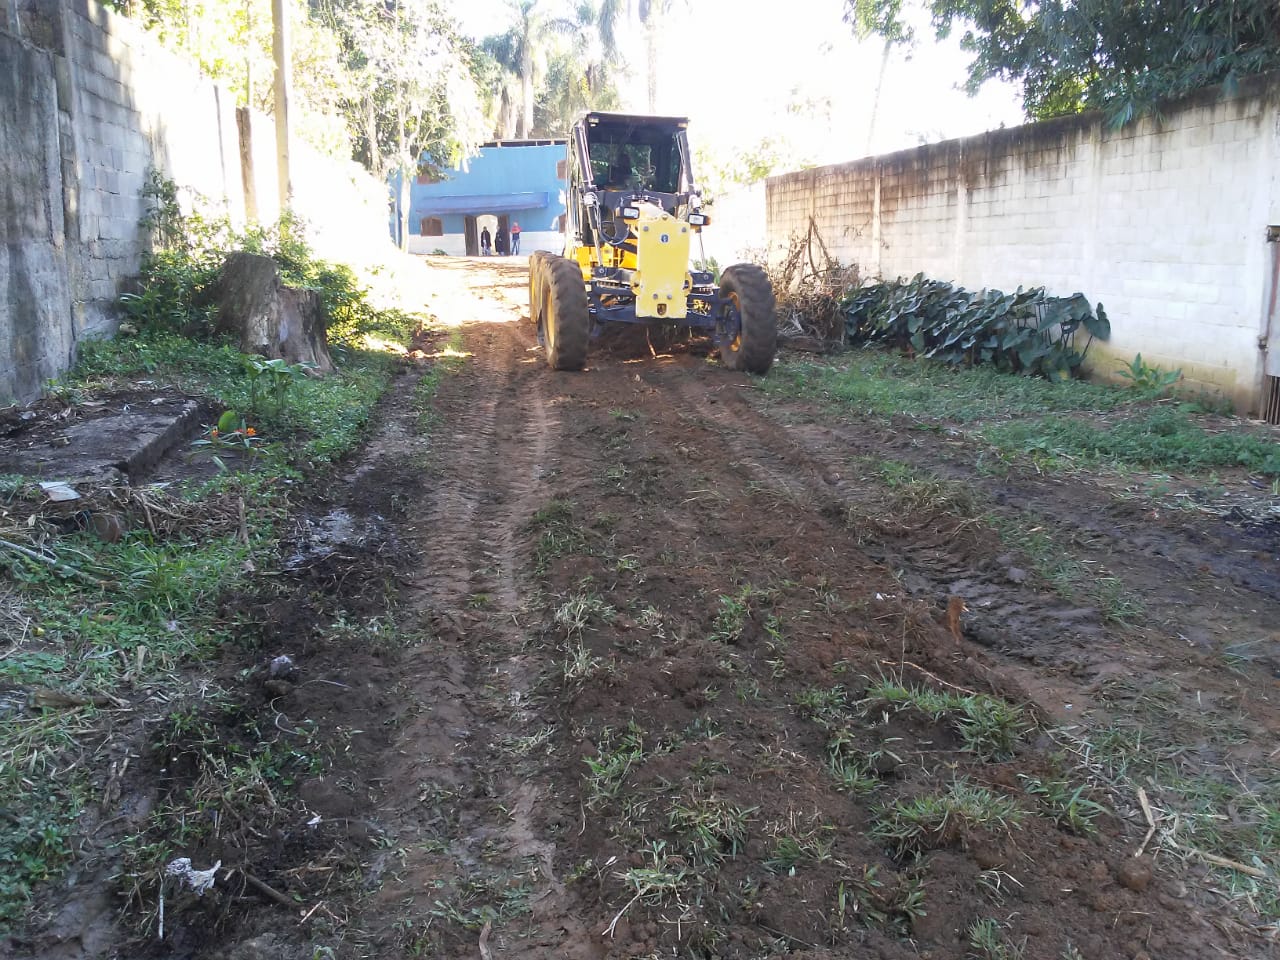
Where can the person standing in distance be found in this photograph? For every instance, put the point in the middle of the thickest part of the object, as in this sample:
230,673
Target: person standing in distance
486,243
515,237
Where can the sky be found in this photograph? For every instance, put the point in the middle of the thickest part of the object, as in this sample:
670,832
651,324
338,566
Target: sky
796,74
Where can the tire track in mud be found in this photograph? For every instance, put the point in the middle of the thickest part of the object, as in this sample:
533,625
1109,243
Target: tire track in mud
933,564
450,795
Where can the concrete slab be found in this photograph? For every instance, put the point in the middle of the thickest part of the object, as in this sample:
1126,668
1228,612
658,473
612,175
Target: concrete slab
119,439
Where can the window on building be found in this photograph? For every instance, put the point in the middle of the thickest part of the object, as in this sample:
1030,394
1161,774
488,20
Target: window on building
432,227
562,170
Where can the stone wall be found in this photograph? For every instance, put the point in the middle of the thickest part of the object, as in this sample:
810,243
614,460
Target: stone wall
1165,223
89,105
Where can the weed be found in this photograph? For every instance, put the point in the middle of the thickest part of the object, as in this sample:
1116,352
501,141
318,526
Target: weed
822,705
559,535
988,942
576,613
873,383
855,770
613,760
988,726
790,850
1070,808
939,819
710,829
1149,379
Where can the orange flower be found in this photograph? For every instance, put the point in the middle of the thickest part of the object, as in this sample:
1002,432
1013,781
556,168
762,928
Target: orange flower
251,432
213,432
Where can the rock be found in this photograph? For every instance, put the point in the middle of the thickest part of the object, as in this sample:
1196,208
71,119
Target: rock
1135,874
1016,575
268,318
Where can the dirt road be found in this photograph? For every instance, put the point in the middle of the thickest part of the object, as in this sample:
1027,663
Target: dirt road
675,673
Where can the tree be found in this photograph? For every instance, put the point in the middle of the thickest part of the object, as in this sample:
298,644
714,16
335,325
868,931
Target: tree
566,57
411,101
883,18
1122,56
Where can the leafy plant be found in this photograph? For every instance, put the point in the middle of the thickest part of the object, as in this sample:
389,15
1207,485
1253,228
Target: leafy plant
1022,332
273,378
1143,376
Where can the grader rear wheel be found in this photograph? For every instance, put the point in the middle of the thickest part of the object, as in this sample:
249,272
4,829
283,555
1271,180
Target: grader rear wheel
566,322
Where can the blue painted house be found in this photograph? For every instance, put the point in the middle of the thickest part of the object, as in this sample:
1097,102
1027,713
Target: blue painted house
510,182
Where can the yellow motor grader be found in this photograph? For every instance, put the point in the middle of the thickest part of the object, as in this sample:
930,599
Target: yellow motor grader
633,211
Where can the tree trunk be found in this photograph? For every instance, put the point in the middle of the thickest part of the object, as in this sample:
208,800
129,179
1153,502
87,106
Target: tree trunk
526,90
266,317
651,28
875,100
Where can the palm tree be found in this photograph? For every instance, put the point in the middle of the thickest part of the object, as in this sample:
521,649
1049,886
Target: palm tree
534,25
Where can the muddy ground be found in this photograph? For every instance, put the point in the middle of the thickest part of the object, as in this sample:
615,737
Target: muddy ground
610,664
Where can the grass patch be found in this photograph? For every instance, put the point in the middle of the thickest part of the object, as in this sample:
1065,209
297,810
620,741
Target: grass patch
939,819
1162,439
320,421
987,726
136,612
883,384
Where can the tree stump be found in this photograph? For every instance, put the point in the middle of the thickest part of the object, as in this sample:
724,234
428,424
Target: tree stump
268,318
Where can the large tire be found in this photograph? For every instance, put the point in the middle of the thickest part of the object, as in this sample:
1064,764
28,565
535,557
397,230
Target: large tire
566,323
747,287
536,282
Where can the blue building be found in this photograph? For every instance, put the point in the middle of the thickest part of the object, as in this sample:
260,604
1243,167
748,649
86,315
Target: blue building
510,182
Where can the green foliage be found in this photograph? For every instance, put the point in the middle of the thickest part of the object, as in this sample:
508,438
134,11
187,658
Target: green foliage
1162,438
1075,55
1143,376
1022,332
882,384
272,378
175,290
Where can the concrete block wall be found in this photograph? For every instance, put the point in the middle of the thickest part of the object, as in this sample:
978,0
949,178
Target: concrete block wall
1164,223
89,105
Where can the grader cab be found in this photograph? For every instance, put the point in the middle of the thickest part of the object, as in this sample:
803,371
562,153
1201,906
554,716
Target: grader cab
634,215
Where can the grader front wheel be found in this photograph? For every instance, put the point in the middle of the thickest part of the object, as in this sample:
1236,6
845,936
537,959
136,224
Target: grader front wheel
566,323
536,260
749,329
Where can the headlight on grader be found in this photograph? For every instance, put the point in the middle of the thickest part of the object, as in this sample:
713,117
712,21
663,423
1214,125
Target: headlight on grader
629,213
699,219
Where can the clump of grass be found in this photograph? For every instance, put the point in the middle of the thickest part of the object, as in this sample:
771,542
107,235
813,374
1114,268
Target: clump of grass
559,533
616,754
710,829
987,941
940,819
988,726
1070,807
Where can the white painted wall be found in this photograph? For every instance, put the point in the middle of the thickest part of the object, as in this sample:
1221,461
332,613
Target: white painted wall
454,244
1165,224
